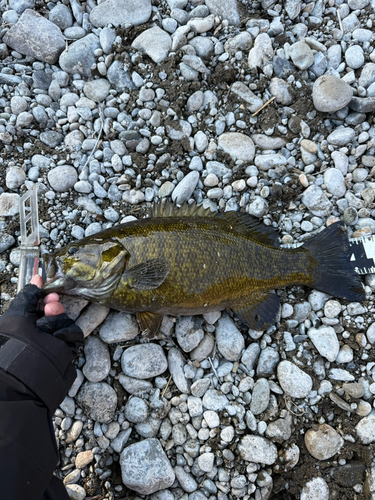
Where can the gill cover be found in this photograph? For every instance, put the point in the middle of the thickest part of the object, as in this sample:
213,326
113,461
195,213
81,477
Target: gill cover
91,269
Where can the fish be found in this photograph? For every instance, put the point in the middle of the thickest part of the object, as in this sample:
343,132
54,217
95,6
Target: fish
190,261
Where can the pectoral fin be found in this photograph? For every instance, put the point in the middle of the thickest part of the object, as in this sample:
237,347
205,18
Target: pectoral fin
150,323
260,312
148,275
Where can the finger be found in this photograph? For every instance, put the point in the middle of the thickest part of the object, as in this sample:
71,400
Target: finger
53,309
37,280
51,297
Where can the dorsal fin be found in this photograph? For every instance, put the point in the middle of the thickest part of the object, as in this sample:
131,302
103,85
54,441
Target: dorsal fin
246,224
167,209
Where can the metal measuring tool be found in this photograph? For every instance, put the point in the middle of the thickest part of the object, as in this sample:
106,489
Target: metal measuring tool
29,248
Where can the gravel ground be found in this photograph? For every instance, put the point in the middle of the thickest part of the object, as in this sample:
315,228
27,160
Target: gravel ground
111,106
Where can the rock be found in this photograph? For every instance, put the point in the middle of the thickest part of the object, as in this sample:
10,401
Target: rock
354,56
331,94
134,386
185,188
279,430
294,382
189,332
119,76
213,400
241,91
176,364
20,6
62,178
266,142
326,342
80,56
9,204
186,480
61,16
51,138
316,201
266,161
118,327
35,36
341,136
226,9
367,76
293,8
323,442
281,90
6,241
335,182
365,429
145,467
84,458
154,42
301,54
260,396
15,177
98,401
117,12
230,341
136,410
250,355
92,317
98,361
206,462
262,52
268,359
76,384
238,146
316,489
362,104
97,90
144,361
257,449
75,492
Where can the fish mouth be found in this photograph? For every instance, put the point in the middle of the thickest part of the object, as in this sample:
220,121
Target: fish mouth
55,279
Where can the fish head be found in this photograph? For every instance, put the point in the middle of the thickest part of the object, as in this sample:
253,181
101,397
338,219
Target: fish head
90,268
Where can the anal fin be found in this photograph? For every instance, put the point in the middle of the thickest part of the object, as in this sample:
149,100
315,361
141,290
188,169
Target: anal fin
150,323
260,312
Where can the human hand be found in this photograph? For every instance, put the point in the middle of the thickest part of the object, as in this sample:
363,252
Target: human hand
50,304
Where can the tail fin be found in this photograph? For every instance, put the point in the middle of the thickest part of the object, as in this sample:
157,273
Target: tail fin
334,273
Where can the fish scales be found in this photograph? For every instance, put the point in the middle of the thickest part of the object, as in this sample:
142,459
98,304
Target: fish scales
211,265
187,262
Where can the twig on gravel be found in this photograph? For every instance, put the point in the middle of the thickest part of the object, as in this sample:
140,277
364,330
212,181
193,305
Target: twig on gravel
287,402
264,105
213,368
166,387
339,18
99,136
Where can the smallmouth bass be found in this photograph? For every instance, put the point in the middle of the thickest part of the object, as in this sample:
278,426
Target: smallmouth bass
190,261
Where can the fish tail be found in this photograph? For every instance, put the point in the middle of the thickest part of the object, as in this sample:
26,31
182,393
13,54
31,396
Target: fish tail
334,273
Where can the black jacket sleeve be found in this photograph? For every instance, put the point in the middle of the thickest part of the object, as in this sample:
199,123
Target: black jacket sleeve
36,372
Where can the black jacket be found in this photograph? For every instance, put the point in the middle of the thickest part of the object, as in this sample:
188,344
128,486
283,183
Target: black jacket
36,372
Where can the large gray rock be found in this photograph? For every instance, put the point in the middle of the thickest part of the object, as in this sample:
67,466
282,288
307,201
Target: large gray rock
316,201
145,467
9,204
226,9
98,361
144,361
62,178
118,75
117,12
80,56
331,93
323,442
118,327
294,382
257,449
98,401
238,146
154,42
230,341
35,36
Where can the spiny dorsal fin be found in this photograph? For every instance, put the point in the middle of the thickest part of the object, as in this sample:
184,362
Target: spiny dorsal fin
246,223
167,209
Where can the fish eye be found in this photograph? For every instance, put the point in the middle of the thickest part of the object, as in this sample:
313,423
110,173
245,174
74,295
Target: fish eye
72,250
